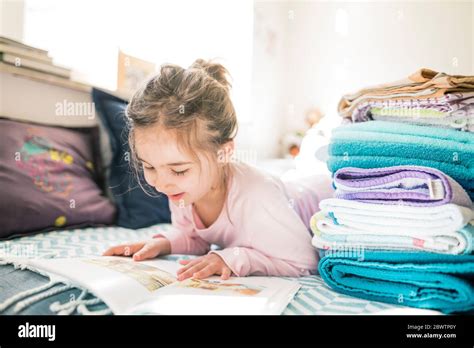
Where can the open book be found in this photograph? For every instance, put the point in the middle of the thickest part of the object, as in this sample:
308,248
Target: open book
151,287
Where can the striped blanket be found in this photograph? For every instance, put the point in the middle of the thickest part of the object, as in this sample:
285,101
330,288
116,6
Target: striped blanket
314,297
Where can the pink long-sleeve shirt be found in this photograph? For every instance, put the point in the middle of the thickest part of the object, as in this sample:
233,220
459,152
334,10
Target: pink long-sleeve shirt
263,227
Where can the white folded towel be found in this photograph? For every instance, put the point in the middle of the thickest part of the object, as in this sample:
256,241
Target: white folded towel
396,219
328,235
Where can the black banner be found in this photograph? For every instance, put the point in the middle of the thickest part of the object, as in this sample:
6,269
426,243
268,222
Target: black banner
240,330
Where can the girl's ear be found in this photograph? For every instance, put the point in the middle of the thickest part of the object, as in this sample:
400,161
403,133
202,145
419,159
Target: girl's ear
230,145
226,152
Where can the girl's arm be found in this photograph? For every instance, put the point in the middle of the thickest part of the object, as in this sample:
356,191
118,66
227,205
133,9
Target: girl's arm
272,238
183,239
247,261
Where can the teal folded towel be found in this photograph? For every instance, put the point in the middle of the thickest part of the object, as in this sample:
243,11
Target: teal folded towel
378,144
415,279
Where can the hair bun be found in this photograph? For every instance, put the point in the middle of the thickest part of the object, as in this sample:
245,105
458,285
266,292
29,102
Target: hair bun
216,70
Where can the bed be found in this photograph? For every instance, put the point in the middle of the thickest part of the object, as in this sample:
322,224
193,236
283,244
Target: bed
314,297
134,208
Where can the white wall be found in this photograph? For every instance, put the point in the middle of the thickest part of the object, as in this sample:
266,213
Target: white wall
259,137
310,53
336,48
11,18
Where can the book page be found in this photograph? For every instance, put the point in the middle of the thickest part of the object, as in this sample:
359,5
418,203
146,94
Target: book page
152,274
151,287
119,281
237,295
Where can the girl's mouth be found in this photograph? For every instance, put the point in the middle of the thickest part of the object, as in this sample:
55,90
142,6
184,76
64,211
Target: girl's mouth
176,197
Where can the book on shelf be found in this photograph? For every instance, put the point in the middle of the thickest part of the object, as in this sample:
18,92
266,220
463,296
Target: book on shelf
15,47
151,287
28,63
14,52
15,43
21,52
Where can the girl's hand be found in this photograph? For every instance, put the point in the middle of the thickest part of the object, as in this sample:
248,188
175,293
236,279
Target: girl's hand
141,250
203,267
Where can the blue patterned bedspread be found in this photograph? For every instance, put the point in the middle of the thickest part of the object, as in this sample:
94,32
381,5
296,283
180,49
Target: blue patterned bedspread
314,297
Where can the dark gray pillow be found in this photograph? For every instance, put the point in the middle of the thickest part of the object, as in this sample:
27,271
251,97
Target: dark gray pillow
48,179
135,208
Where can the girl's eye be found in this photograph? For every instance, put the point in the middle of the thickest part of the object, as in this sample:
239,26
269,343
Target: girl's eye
148,168
179,173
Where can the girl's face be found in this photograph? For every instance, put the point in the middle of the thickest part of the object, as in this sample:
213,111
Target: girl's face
172,171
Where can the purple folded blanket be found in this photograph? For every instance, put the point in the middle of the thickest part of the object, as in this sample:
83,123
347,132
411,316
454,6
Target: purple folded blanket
408,185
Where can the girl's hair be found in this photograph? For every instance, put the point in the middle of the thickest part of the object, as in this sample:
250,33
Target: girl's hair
193,102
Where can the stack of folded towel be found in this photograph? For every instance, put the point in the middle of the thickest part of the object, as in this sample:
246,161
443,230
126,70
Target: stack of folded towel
423,280
399,234
426,97
400,227
378,144
398,208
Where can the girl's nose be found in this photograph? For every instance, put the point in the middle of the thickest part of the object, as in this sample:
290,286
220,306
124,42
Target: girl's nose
161,183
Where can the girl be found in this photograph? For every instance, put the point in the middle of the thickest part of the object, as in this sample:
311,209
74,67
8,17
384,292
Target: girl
182,126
